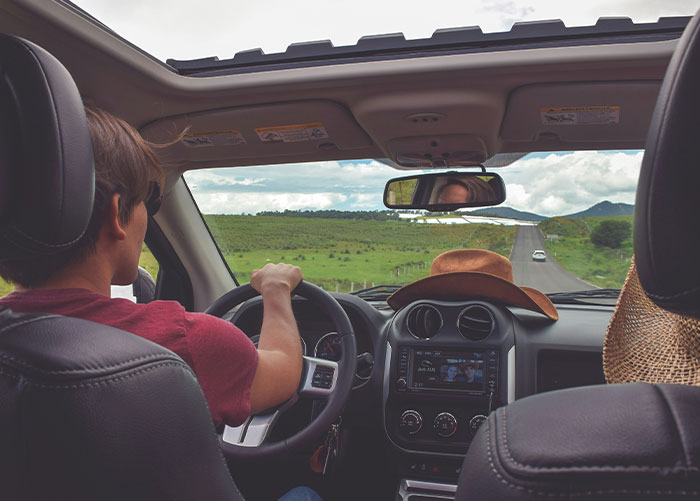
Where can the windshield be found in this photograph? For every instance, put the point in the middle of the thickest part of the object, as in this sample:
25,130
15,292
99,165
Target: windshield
566,223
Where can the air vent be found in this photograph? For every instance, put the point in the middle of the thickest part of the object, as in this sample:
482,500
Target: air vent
475,323
424,321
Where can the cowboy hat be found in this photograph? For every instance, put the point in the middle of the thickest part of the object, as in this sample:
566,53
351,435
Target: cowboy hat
647,343
469,274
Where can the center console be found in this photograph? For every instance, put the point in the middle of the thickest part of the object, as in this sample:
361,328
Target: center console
442,378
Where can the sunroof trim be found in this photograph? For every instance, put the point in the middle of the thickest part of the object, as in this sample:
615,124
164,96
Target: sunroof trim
529,34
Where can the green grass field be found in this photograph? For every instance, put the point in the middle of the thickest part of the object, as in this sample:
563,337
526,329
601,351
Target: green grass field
346,253
340,253
600,266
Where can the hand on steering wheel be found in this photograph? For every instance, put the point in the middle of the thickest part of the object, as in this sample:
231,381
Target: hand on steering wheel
320,378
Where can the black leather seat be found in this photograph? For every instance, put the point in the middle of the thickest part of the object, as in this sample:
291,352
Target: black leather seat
632,441
86,411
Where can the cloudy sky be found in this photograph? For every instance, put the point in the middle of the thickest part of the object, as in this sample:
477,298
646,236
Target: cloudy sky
190,29
545,184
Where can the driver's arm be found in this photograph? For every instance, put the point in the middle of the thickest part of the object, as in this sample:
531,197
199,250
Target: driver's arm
279,348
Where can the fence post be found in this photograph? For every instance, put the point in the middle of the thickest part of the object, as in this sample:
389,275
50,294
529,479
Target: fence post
336,287
364,285
352,286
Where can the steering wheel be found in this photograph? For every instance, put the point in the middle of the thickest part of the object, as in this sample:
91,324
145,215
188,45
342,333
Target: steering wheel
320,379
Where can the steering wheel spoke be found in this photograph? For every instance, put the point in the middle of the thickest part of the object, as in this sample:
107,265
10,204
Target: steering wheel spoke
253,432
319,379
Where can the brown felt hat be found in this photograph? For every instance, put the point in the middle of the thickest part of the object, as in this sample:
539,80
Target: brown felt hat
473,274
647,343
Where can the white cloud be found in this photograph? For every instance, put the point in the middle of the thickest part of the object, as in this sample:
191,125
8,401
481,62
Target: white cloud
207,179
365,201
517,195
560,184
238,203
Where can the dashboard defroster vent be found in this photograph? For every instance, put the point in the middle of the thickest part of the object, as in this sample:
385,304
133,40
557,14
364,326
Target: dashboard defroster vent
475,323
424,321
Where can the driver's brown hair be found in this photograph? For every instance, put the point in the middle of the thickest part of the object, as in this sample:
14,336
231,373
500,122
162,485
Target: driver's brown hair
124,164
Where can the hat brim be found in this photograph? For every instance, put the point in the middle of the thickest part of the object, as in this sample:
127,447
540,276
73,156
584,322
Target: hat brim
465,285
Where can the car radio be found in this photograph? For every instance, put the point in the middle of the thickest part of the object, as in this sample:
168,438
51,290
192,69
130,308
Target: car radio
469,372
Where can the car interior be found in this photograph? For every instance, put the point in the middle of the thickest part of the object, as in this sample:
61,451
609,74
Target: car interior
89,411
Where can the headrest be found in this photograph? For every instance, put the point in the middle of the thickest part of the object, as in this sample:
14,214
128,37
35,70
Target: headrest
666,236
47,175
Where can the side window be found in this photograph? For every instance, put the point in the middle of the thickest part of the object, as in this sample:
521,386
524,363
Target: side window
148,262
140,289
143,289
5,287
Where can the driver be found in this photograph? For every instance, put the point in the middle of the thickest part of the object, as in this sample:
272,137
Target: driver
237,379
466,190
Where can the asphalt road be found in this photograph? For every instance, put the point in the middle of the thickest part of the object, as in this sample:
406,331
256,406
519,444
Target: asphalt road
545,276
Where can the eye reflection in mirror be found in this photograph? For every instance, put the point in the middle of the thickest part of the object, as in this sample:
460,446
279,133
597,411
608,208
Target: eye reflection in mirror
445,191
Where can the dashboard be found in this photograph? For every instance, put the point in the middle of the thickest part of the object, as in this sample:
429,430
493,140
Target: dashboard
429,374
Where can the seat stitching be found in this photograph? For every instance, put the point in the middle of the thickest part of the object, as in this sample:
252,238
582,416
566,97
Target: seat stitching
609,467
28,321
511,485
498,475
112,379
37,241
686,452
86,370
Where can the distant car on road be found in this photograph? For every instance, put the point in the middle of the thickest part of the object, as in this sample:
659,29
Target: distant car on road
539,255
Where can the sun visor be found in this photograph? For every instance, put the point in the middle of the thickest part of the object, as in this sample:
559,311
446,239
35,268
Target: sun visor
251,135
615,113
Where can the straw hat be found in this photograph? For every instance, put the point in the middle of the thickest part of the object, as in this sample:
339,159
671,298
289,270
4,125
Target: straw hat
647,343
473,274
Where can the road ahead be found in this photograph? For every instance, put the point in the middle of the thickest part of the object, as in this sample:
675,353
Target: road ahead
545,276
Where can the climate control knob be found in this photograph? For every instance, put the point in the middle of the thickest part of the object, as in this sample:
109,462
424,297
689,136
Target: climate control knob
411,422
445,424
475,422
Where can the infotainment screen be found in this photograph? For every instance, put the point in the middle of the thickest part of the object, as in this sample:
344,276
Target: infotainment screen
448,370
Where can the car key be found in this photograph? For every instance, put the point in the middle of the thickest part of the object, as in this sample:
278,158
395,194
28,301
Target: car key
331,446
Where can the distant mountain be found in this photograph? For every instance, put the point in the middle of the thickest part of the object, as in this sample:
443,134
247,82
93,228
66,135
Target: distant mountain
605,208
509,213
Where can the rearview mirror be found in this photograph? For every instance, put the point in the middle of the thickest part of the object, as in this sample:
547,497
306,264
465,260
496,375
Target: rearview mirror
444,192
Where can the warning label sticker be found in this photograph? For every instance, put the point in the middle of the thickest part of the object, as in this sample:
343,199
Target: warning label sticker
292,133
219,138
581,115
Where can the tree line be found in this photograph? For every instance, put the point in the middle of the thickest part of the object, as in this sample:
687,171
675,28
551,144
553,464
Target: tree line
378,215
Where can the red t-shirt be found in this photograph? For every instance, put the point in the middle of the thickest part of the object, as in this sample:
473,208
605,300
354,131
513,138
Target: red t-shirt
220,354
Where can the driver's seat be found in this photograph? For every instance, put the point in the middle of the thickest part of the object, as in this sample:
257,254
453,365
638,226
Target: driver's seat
86,411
